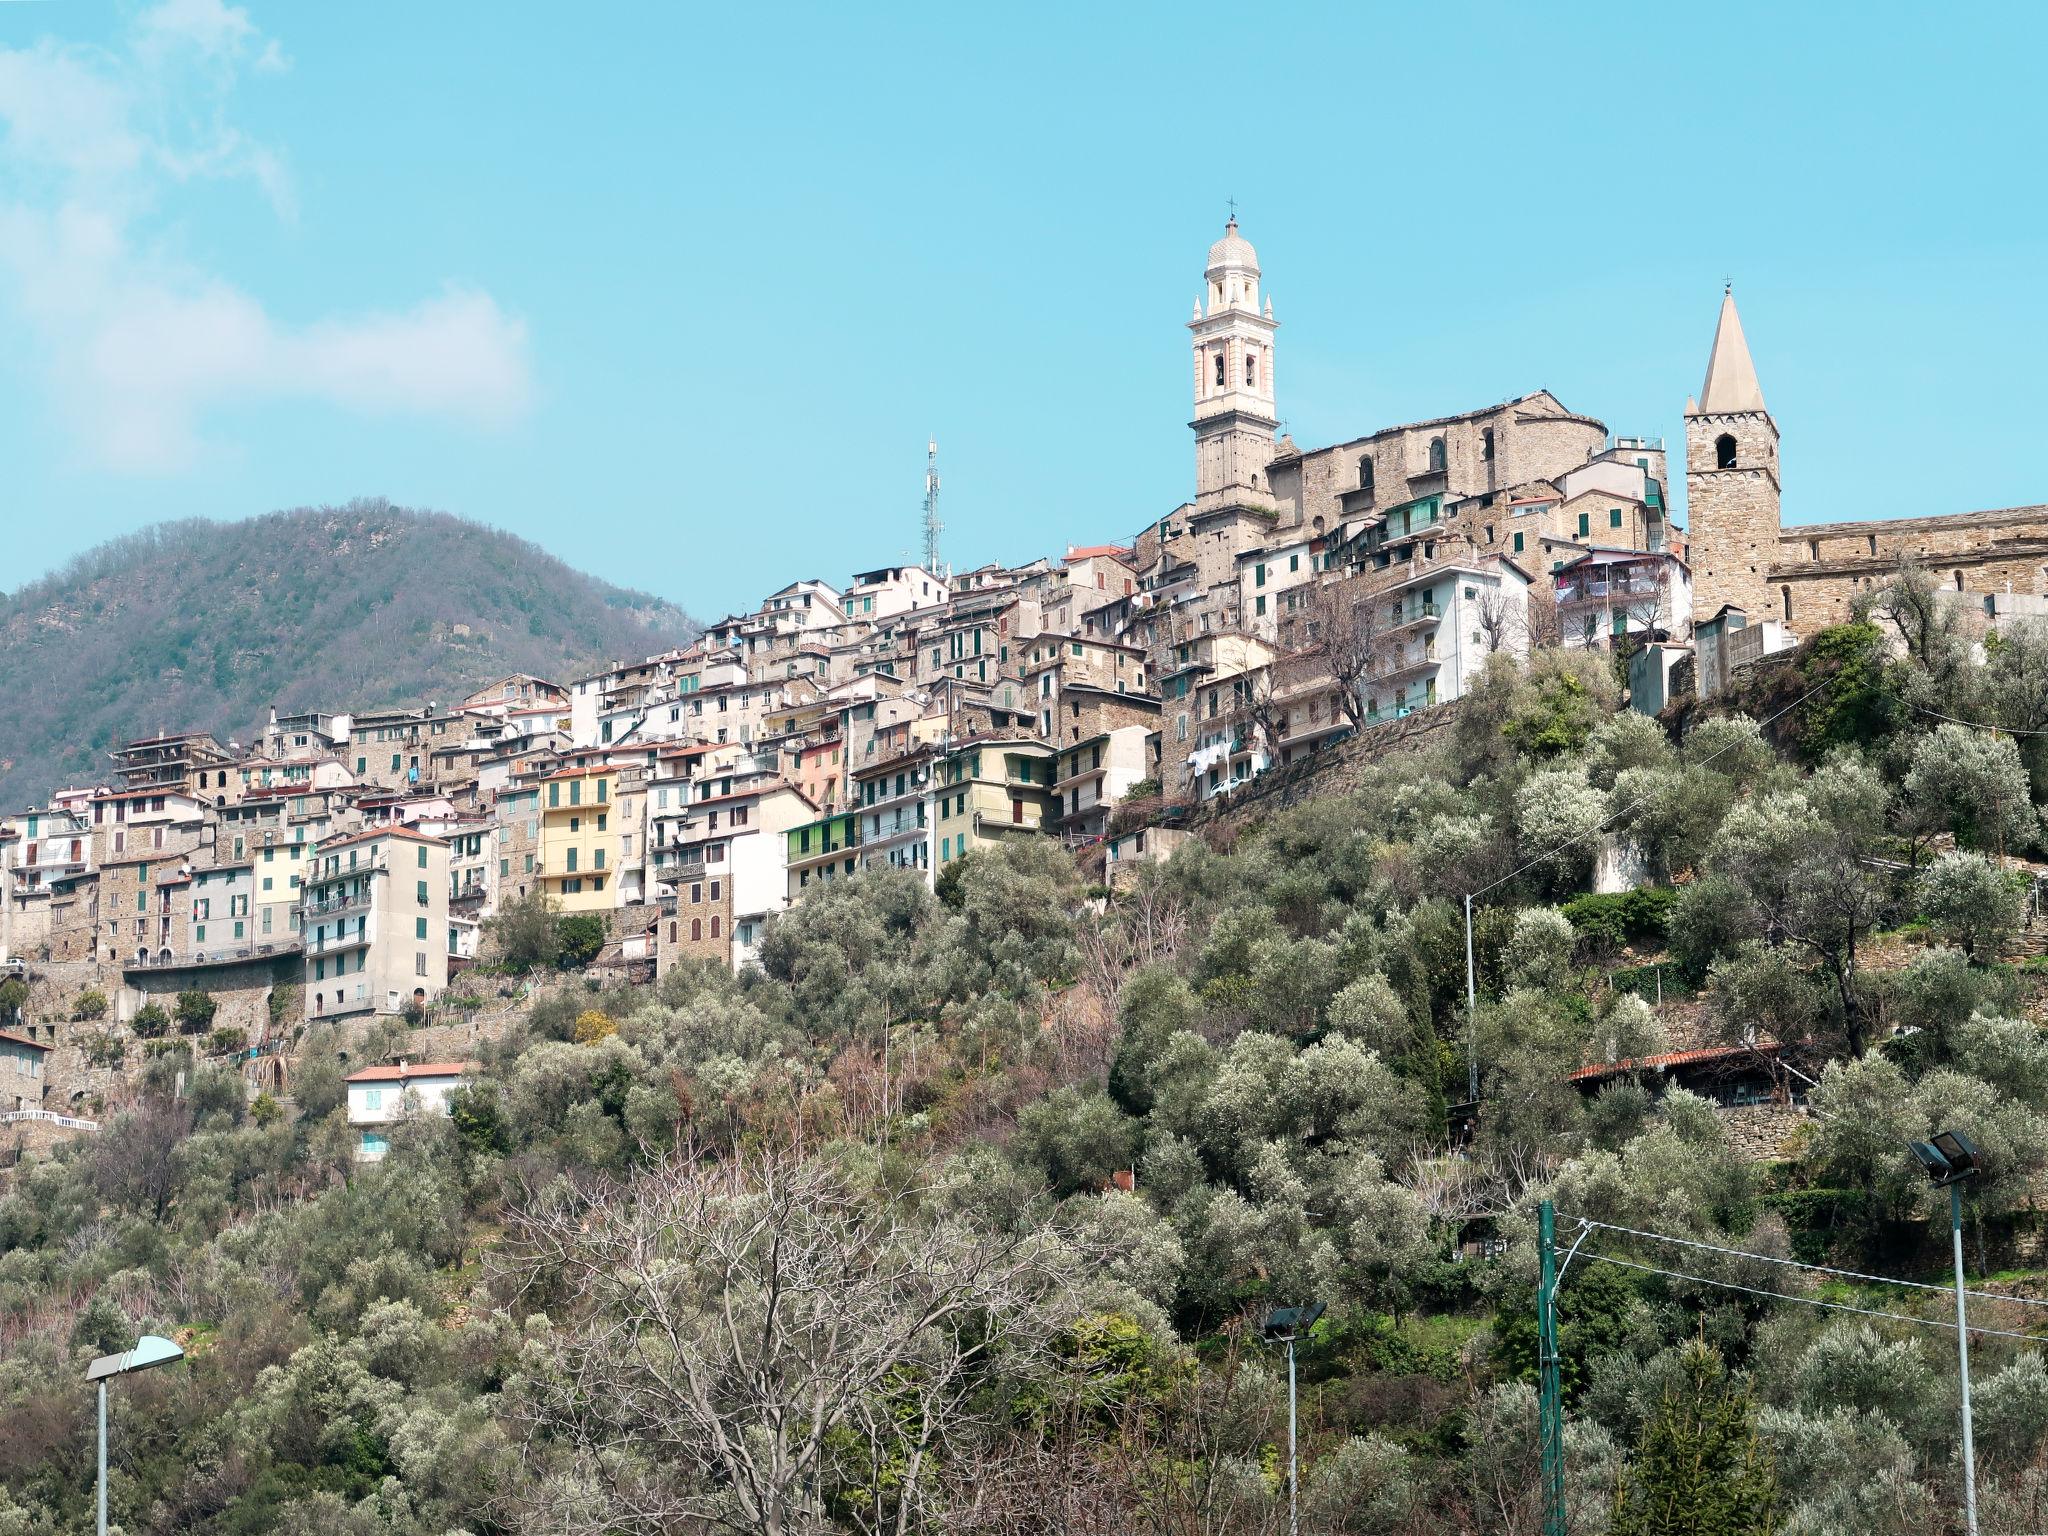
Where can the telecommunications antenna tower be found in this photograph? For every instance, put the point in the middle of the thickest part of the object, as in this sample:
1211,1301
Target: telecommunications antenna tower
932,526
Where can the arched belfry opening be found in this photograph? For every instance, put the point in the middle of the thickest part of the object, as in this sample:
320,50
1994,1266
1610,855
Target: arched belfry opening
1724,451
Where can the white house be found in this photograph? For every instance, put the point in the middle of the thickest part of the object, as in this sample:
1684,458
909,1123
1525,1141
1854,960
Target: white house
380,1097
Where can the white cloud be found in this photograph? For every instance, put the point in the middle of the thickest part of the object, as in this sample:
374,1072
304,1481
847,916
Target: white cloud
139,348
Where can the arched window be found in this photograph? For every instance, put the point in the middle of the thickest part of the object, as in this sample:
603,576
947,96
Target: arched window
1724,451
1221,376
1365,473
1959,581
1785,596
1486,445
1436,453
1251,370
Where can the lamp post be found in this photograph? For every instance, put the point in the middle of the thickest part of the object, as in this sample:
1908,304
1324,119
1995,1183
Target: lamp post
149,1350
1283,1326
1949,1159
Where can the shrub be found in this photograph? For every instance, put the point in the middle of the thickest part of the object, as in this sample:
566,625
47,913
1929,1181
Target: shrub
193,1010
150,1021
582,936
13,997
593,1025
91,1004
1607,922
227,1039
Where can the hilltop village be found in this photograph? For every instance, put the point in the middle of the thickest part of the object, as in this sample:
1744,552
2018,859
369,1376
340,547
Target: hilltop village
342,865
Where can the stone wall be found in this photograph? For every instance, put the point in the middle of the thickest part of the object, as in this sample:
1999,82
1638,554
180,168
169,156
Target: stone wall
1761,1133
1335,770
240,991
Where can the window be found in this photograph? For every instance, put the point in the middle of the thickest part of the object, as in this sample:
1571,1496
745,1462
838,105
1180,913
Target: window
1518,542
1259,604
422,893
1365,472
1486,445
1436,454
714,927
1724,451
1614,517
1221,366
1785,595
419,927
1259,574
1251,370
1585,524
696,928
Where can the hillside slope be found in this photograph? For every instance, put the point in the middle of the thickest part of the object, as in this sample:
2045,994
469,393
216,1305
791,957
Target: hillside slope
203,625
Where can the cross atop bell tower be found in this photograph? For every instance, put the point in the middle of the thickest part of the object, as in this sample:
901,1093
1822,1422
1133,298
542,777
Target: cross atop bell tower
1235,413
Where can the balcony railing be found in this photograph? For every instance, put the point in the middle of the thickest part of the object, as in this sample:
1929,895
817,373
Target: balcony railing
51,1117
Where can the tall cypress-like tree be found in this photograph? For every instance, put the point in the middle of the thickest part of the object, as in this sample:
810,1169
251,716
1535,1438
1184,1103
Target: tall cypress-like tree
1699,1469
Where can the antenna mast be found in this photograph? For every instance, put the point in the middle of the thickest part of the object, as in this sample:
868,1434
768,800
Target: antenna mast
932,526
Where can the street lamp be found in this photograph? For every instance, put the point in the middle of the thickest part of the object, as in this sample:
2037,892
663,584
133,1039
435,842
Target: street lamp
1283,1326
1949,1159
149,1350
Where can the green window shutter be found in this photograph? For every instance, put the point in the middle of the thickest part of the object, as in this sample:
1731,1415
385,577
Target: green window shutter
419,927
1614,517
1518,543
422,891
1585,523
423,858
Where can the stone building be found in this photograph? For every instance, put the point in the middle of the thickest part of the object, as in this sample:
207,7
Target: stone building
1806,577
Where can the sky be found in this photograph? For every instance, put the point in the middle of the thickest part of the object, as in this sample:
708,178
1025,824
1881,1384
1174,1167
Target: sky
680,292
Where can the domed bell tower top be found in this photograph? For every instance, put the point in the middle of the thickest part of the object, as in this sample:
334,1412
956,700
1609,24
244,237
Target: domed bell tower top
1235,409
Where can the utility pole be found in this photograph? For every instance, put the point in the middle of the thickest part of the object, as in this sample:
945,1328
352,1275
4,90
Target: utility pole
932,526
1550,1397
1471,1018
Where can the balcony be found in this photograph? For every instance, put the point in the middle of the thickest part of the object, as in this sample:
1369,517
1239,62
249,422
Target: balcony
1408,616
1424,659
333,906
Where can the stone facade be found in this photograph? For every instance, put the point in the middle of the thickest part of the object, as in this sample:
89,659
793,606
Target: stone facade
1732,511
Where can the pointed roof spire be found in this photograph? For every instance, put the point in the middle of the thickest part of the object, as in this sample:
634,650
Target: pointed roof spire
1731,386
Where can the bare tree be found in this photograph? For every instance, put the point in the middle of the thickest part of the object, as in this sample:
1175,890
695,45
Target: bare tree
1343,633
1502,621
738,1343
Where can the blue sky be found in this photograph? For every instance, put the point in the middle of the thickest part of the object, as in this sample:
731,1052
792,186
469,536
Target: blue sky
679,292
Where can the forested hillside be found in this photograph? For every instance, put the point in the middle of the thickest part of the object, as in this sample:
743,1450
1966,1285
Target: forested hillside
201,626
961,1213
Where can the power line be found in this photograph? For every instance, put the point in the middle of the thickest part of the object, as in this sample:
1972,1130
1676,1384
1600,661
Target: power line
1982,725
1822,1269
1812,1301
1601,825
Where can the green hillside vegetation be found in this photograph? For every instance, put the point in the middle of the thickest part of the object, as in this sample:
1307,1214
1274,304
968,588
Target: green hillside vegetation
202,626
960,1213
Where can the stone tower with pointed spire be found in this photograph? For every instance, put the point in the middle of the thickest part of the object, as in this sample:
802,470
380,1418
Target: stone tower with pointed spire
1731,480
1235,414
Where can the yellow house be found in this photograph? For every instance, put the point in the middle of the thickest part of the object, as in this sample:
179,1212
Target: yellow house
989,789
577,866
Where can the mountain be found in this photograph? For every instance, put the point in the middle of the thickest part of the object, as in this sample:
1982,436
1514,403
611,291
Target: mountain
202,625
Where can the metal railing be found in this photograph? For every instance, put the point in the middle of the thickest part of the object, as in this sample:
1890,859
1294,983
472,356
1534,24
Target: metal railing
69,1122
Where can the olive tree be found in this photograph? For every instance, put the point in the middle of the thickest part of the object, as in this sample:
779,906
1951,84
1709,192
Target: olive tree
733,1338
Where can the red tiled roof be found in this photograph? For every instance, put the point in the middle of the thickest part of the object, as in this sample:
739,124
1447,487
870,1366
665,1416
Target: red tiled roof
11,1038
399,1074
1671,1059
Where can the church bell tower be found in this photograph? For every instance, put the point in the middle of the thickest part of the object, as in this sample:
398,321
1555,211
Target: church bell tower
1731,481
1235,415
